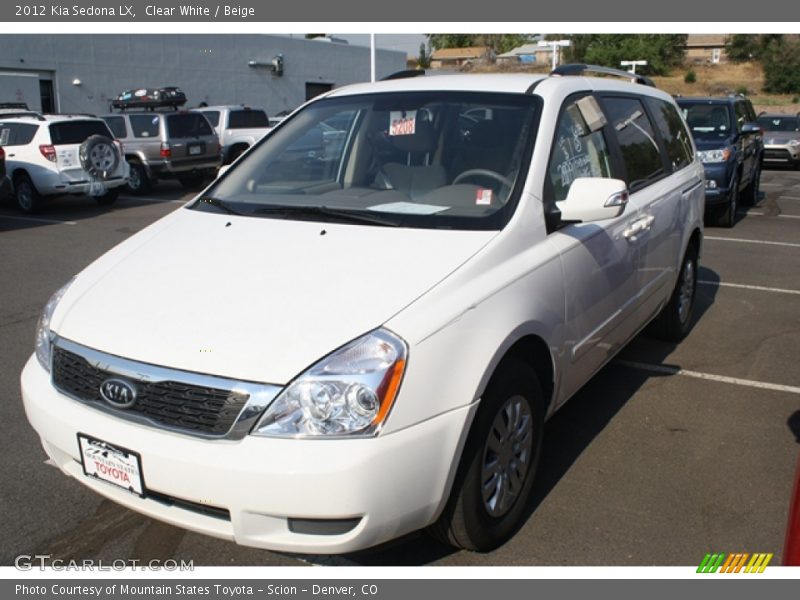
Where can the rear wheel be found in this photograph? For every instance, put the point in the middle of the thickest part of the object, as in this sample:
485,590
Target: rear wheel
675,320
29,200
138,181
496,473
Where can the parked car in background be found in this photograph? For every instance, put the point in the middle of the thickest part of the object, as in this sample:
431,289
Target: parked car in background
730,145
238,128
365,338
10,110
781,139
52,155
178,145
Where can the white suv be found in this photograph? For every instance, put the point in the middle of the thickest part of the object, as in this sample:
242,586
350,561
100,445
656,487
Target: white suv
238,128
53,155
364,337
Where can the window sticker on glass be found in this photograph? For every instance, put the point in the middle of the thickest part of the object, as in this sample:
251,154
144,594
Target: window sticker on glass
4,135
402,122
483,197
408,208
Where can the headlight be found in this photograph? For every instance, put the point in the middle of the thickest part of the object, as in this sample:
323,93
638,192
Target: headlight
793,142
350,392
714,156
44,337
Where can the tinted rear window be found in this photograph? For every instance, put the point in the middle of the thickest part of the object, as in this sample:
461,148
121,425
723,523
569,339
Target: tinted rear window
188,125
245,119
17,134
76,132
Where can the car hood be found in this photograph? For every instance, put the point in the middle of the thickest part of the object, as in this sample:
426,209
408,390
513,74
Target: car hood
254,299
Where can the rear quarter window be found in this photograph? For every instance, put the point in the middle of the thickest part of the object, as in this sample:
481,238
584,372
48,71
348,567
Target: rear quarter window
212,116
17,134
76,132
145,126
246,119
188,125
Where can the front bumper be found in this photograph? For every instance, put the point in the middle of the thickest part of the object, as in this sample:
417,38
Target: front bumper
781,154
719,177
384,486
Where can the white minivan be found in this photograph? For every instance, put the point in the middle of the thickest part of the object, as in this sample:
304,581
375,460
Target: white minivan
349,337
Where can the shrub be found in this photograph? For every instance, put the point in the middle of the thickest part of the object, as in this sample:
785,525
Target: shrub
690,76
741,90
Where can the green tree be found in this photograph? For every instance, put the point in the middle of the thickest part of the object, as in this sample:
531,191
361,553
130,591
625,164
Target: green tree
781,62
661,51
424,57
742,47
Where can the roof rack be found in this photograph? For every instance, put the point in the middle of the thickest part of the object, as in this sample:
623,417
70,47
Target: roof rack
149,99
15,105
580,69
408,73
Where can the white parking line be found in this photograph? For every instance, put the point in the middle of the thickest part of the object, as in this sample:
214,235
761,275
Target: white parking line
744,241
668,370
758,288
788,197
38,220
789,216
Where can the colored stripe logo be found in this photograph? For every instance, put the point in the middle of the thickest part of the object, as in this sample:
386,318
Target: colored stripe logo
739,562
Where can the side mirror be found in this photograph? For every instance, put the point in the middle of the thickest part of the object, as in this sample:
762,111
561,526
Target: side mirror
594,199
751,128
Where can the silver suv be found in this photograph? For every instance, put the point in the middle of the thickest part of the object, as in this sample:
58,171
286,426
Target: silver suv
178,145
238,128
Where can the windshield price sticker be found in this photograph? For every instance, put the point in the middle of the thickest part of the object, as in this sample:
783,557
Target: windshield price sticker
402,122
483,197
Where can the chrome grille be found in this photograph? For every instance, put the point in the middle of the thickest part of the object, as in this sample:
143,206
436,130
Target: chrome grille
185,402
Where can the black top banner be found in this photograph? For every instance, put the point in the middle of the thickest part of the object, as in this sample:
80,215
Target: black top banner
442,11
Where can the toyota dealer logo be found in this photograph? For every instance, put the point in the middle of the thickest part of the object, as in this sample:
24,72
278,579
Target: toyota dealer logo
118,393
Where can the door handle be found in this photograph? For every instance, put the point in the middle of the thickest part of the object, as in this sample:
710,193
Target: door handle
639,226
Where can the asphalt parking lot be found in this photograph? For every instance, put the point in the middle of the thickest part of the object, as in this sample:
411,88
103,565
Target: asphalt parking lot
670,452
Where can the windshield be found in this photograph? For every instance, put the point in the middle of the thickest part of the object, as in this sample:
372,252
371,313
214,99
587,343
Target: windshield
709,121
778,123
443,159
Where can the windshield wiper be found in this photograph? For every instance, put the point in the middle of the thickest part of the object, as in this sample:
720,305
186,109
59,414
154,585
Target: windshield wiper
330,214
220,204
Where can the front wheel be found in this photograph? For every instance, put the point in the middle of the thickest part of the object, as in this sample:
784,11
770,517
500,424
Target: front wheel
675,320
750,197
495,476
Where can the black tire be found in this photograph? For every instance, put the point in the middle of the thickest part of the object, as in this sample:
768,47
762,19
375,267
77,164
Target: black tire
675,320
138,181
108,198
99,156
236,152
727,216
476,516
28,198
750,196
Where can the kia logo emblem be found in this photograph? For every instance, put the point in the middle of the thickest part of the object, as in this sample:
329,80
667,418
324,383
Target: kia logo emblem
118,393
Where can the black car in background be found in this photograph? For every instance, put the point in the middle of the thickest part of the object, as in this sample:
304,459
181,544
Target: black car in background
730,145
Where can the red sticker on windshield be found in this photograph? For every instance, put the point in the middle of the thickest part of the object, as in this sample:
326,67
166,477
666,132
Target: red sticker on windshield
483,197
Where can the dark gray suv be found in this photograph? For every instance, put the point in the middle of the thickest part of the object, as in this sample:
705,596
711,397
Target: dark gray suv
178,145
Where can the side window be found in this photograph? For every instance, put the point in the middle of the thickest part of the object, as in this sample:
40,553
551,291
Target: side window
145,126
577,152
637,142
22,134
117,126
212,116
673,132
